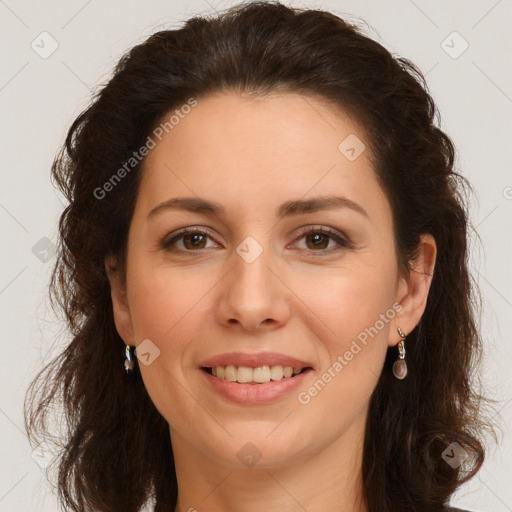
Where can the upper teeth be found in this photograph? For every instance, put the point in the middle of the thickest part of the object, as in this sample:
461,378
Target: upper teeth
259,374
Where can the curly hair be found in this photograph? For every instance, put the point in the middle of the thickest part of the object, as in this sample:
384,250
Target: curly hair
117,453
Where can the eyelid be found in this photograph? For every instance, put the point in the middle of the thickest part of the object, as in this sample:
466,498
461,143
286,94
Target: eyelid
323,229
176,235
339,237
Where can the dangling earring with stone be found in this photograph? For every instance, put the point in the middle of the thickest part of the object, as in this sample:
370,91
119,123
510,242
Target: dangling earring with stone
400,366
128,364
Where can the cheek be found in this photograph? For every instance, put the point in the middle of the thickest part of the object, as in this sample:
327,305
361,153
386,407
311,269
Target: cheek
351,320
350,316
163,298
173,308
168,307
347,302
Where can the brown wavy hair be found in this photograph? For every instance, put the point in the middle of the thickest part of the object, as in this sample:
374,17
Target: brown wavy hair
116,451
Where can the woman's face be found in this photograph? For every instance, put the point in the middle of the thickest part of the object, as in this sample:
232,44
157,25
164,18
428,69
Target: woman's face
277,276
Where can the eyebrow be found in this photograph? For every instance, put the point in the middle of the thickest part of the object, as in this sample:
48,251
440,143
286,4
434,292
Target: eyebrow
289,208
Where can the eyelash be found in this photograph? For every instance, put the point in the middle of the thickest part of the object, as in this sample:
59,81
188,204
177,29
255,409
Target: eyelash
341,240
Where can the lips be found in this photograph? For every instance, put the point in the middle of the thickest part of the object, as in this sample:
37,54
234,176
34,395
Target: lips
254,378
255,393
254,360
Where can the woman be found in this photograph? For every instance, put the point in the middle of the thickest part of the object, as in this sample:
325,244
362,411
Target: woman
263,266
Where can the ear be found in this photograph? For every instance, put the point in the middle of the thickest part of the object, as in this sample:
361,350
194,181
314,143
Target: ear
122,315
412,292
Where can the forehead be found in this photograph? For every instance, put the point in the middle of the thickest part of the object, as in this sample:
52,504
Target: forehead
250,152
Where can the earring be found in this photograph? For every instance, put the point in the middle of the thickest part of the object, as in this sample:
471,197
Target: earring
400,366
129,363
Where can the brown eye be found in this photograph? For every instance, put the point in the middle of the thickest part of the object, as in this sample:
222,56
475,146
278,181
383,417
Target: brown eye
194,241
186,240
318,240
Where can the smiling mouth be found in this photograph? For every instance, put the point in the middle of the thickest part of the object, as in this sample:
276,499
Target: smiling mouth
258,375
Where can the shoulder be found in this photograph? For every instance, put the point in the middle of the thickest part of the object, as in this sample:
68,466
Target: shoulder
453,509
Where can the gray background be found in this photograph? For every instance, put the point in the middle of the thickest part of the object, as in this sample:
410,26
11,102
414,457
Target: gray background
41,94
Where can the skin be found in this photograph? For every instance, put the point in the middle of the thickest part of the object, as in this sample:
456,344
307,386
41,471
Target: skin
251,155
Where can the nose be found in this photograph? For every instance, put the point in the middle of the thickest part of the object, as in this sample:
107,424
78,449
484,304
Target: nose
253,294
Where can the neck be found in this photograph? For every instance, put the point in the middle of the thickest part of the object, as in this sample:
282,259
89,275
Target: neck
329,479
